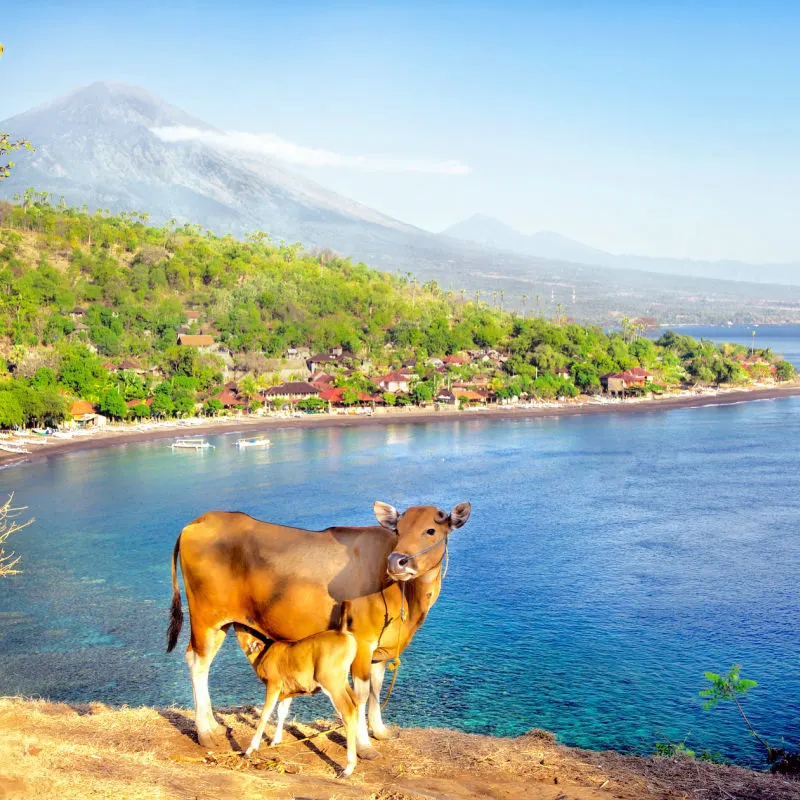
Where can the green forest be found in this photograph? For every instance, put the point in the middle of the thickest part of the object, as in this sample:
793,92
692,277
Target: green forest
81,292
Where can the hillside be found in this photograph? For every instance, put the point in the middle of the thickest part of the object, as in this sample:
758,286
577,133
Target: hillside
97,307
77,751
100,147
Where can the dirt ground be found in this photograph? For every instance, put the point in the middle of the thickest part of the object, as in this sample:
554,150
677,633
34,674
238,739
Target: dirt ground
53,750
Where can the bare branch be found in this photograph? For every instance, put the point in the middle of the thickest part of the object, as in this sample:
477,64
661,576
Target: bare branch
9,514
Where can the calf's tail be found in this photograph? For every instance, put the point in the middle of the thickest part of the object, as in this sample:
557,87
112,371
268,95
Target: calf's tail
344,617
175,612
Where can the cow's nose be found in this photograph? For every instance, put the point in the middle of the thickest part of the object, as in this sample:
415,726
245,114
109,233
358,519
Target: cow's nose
397,562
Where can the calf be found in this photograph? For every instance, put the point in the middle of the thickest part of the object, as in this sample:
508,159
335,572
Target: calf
321,661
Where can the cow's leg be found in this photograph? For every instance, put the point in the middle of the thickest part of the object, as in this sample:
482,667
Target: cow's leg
269,703
199,655
283,712
361,681
379,730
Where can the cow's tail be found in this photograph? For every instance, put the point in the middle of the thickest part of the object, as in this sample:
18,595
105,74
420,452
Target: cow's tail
344,617
175,611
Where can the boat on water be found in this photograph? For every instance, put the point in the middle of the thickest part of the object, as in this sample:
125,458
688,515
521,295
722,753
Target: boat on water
191,444
255,442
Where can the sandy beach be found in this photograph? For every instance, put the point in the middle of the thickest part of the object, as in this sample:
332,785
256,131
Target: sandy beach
123,433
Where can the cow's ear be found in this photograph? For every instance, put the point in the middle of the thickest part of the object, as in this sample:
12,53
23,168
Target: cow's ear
386,515
459,515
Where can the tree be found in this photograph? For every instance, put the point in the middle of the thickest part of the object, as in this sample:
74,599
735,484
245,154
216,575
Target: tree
9,525
784,371
731,687
162,405
212,406
422,393
113,405
139,411
11,415
9,146
312,404
350,396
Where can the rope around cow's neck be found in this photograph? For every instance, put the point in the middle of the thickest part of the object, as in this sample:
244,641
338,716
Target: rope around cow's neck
394,665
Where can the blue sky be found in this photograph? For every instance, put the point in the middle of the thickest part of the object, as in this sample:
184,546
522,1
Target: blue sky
665,129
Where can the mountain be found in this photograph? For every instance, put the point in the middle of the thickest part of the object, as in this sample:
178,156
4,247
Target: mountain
491,232
99,147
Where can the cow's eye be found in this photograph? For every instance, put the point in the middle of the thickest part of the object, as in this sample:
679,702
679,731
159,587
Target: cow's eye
430,531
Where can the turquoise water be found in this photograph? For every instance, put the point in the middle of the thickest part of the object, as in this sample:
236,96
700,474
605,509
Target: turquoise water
609,561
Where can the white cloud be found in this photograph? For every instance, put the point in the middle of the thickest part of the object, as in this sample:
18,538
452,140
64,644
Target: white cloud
268,144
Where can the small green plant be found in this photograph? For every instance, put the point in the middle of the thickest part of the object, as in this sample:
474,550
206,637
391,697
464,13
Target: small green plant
670,750
731,687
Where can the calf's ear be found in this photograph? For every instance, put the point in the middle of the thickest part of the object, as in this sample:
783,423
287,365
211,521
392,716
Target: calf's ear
459,515
386,515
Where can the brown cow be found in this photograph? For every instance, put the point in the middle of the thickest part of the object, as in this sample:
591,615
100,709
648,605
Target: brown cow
286,583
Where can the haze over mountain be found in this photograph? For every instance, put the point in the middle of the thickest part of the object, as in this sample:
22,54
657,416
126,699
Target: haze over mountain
103,146
492,232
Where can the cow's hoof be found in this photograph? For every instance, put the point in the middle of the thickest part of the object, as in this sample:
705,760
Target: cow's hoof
383,734
368,753
207,740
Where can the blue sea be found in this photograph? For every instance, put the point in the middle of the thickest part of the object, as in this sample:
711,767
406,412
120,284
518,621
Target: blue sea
610,560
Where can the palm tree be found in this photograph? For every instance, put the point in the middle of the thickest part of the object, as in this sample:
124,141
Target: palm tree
248,389
524,302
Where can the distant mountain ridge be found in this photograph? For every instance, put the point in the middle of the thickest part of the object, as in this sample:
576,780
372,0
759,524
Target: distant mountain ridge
491,232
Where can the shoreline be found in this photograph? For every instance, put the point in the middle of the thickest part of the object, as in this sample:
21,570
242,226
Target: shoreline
115,436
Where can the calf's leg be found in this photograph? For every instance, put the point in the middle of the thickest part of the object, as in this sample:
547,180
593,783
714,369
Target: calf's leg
269,703
283,712
344,702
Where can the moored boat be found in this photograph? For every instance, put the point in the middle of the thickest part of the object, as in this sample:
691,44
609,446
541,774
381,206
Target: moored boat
191,444
255,442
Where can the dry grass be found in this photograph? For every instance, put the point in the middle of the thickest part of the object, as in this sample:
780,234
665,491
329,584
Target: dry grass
79,751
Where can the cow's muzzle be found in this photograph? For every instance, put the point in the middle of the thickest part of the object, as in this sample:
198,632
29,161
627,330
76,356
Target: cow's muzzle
399,567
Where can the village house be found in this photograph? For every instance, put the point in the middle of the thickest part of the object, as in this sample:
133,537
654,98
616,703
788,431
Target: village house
203,343
445,397
334,356
230,399
618,382
292,391
333,396
456,361
563,372
396,381
139,402
77,313
469,396
84,415
298,352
